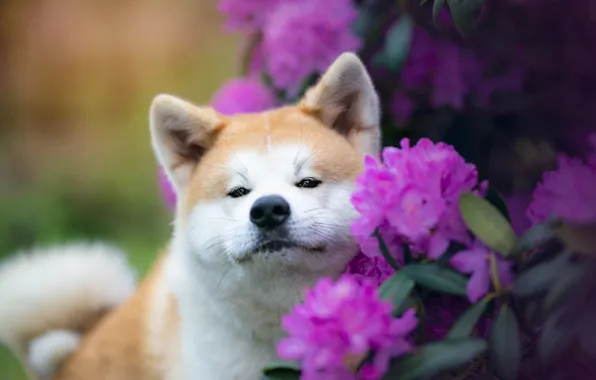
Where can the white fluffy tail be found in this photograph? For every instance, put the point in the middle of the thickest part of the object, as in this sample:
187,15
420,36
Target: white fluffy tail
50,296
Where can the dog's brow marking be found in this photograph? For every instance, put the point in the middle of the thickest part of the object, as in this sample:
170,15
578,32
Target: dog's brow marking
268,129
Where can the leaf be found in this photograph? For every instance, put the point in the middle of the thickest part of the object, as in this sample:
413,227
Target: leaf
465,14
539,278
463,327
387,255
435,358
553,339
438,6
396,288
487,223
366,17
535,236
435,277
397,44
505,344
281,370
496,199
569,279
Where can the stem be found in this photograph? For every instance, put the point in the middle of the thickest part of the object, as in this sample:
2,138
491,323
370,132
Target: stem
494,274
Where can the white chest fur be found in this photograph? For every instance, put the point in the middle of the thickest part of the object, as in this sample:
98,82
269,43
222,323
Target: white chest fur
230,321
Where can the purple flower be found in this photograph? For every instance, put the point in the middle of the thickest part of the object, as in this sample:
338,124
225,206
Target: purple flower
167,190
243,95
567,193
246,14
341,320
414,196
299,41
476,261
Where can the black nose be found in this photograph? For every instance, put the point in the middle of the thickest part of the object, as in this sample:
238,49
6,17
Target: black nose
269,211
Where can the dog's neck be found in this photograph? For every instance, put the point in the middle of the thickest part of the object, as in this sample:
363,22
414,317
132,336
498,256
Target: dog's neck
248,300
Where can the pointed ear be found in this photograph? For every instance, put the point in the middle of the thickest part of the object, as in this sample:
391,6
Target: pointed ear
180,134
345,100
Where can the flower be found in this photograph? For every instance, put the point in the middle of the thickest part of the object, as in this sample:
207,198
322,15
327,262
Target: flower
167,190
415,192
567,193
298,41
476,261
340,320
243,95
246,14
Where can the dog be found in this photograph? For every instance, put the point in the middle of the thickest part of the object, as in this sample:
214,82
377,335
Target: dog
263,212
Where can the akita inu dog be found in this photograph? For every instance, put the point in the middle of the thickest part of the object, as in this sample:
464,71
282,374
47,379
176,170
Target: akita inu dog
263,212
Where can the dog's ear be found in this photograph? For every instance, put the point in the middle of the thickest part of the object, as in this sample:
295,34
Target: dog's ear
181,132
345,100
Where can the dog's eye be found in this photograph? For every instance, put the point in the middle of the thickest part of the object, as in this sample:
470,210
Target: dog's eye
308,183
238,192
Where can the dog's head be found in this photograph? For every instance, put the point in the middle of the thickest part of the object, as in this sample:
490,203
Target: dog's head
271,188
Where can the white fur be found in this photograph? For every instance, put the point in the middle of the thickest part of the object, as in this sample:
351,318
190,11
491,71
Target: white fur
49,350
59,288
231,310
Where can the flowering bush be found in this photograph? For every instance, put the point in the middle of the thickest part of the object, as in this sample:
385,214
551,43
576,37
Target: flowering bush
452,278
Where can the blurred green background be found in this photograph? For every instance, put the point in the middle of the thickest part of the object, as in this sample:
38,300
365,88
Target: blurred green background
77,81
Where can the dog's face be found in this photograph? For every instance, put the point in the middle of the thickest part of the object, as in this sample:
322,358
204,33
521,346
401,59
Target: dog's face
271,189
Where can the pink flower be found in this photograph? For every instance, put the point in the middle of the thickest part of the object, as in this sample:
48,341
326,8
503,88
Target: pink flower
243,95
246,14
167,190
343,319
567,193
415,192
476,261
299,41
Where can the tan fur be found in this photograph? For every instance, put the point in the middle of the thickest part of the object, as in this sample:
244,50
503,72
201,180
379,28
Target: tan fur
140,339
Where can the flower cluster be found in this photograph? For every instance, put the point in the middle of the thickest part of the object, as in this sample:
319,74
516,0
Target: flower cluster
243,95
340,321
296,38
569,192
414,196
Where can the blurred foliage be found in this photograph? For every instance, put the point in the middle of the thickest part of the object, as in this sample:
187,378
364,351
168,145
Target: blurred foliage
78,79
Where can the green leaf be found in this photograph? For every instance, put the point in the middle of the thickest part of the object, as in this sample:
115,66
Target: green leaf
435,277
539,278
463,327
396,288
397,44
487,223
554,339
432,359
281,370
505,344
465,14
388,256
569,279
364,21
438,6
534,237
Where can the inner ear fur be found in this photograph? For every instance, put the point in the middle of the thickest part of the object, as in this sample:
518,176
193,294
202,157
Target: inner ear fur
181,132
345,100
